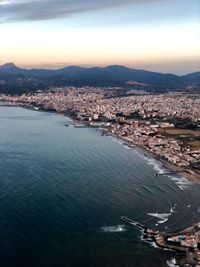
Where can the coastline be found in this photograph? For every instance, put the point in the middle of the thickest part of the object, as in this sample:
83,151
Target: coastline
141,150
184,242
193,177
188,174
165,164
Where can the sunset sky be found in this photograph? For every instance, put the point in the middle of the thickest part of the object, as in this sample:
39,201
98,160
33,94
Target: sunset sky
158,35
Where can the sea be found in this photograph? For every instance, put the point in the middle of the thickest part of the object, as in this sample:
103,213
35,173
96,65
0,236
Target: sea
63,191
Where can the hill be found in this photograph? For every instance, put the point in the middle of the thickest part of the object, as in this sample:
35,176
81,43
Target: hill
16,80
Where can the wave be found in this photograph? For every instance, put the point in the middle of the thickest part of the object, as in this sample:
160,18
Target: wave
113,229
126,146
153,244
115,140
148,241
120,142
172,263
172,209
157,166
164,217
182,182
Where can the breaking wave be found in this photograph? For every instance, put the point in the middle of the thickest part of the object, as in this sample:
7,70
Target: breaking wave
181,182
155,164
148,240
126,146
116,140
163,216
172,263
113,229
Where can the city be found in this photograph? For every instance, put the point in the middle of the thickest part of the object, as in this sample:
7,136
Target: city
99,123
166,125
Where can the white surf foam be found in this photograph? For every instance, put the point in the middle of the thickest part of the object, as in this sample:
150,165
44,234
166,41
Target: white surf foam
114,140
149,241
167,249
172,209
182,182
118,141
172,263
163,217
126,146
113,229
155,164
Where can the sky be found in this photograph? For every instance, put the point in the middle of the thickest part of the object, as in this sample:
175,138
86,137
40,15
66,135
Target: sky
157,35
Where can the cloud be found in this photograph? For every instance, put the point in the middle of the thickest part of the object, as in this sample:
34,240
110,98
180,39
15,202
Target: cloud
4,2
23,10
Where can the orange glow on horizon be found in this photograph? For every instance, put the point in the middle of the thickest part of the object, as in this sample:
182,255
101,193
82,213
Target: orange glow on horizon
134,47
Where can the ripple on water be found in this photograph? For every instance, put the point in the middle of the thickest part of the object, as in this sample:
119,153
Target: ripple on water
61,188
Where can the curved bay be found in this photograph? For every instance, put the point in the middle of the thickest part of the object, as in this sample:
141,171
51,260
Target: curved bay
59,187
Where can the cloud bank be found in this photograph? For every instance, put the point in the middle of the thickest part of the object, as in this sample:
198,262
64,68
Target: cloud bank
30,10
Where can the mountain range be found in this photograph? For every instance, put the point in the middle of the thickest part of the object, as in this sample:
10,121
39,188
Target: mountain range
16,80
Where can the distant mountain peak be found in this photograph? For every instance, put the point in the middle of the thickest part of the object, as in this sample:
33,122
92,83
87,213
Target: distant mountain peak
117,67
15,79
8,66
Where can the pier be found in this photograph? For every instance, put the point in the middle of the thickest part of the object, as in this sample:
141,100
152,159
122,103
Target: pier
130,221
168,173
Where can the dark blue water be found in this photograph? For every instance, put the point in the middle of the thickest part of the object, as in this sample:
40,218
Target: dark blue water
63,191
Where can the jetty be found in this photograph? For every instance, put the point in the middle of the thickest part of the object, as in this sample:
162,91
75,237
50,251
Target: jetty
83,126
130,221
168,173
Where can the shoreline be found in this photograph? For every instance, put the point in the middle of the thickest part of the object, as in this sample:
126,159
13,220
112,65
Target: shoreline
165,164
140,149
193,177
185,241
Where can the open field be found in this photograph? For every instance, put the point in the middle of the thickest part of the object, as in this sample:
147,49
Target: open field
195,144
188,137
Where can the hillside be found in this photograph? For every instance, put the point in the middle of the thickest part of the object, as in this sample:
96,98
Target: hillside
16,80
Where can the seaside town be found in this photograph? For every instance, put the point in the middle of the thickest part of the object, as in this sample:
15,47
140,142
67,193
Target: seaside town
166,125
